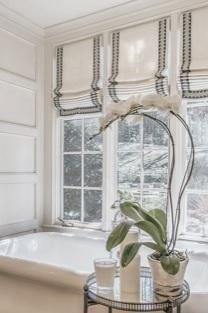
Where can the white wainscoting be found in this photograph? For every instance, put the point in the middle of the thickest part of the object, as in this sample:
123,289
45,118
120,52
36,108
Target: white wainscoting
17,104
18,201
18,153
17,55
21,129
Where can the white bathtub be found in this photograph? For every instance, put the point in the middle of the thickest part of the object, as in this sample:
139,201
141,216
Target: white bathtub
63,259
45,272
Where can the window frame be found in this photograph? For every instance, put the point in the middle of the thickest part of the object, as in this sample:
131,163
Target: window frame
108,175
110,139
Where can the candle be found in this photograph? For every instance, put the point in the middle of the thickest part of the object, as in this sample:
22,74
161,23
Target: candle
130,275
105,272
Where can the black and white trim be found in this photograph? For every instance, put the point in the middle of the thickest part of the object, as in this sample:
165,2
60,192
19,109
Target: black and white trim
114,66
94,97
185,75
96,73
158,84
161,83
59,75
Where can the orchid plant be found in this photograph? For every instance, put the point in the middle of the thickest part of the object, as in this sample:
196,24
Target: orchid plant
154,222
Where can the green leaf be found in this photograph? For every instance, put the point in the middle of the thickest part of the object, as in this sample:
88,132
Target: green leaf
131,250
154,232
150,218
118,234
160,215
170,263
128,210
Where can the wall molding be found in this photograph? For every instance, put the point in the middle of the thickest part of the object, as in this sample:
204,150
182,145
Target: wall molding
34,36
114,18
17,24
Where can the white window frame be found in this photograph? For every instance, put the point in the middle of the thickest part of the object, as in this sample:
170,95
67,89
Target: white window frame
108,175
109,141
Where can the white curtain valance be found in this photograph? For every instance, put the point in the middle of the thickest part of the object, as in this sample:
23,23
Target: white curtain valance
194,55
78,77
139,60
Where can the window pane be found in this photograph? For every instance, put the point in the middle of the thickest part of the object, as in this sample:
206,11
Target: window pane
154,134
72,204
91,127
155,159
197,213
198,122
129,170
72,170
93,170
156,179
199,179
72,135
155,168
154,200
93,205
129,136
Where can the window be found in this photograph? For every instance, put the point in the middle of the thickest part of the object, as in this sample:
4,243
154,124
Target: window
142,166
134,157
82,171
196,200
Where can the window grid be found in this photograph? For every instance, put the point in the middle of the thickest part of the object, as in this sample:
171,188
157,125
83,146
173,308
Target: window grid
197,230
174,38
82,153
142,190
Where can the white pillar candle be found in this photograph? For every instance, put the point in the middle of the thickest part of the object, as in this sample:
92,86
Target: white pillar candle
130,275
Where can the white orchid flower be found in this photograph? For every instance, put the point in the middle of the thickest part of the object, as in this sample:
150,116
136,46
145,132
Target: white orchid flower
141,103
162,103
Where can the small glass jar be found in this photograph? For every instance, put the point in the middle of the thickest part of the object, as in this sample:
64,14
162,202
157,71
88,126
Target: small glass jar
105,270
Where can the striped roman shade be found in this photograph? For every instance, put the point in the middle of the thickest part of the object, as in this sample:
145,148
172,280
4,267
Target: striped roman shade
139,60
78,77
193,78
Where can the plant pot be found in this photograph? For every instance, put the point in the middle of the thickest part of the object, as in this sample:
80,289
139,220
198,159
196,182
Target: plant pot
165,284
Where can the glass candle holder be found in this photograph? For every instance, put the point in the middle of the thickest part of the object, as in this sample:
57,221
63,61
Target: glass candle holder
105,272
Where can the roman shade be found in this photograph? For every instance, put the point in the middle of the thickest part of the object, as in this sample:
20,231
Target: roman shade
193,78
78,77
139,60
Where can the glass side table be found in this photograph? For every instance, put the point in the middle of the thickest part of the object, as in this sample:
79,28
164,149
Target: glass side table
145,301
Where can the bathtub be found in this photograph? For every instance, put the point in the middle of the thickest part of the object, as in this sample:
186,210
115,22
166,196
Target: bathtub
45,272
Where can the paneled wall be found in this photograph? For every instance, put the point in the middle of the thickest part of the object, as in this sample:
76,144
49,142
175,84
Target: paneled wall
21,129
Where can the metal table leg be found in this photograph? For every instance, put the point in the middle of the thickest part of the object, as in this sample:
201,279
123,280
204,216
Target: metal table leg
85,300
169,309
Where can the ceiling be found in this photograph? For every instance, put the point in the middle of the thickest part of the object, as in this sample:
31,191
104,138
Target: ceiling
47,13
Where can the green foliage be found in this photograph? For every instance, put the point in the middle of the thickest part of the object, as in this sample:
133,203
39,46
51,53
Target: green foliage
160,216
131,250
130,211
154,232
118,234
153,223
170,263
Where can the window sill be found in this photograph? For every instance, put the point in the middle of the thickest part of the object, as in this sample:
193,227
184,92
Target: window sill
191,243
91,232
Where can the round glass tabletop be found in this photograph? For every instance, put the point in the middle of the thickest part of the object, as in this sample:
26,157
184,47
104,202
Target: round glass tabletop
145,300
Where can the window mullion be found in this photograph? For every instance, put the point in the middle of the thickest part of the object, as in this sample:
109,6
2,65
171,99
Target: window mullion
109,146
175,127
142,162
60,167
82,175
